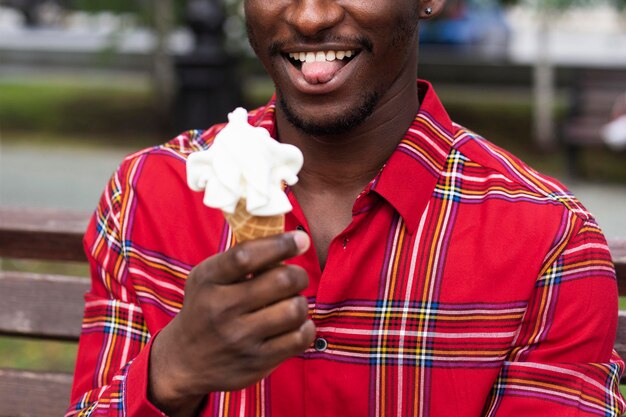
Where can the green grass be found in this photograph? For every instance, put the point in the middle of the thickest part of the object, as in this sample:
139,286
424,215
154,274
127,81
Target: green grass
18,353
77,269
63,107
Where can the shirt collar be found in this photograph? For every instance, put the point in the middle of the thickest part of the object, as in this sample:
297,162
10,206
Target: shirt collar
408,179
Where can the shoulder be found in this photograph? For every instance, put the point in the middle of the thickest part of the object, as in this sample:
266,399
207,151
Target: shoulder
495,170
179,148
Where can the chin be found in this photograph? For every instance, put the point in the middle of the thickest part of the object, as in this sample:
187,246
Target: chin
339,120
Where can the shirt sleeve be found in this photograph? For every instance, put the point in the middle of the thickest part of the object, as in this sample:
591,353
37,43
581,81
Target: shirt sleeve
111,375
562,362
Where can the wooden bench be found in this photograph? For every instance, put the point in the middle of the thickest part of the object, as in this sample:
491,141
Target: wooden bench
39,306
50,307
592,95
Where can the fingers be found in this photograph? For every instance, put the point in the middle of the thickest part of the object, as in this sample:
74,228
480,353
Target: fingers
237,329
235,264
283,317
279,348
280,283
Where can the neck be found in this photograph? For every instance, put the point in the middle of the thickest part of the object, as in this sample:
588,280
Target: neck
350,160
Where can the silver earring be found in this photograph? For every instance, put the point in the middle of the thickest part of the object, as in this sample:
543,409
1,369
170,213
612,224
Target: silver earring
428,11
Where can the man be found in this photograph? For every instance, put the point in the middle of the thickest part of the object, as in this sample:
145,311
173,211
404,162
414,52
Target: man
425,272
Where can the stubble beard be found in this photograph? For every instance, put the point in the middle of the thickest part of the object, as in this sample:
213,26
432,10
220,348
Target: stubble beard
336,125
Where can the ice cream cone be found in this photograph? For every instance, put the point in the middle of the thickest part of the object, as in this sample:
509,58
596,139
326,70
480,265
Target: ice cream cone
245,168
247,226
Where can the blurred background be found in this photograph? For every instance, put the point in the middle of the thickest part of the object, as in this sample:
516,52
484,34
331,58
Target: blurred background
85,82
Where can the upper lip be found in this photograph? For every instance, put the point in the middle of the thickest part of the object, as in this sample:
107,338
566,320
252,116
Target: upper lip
320,47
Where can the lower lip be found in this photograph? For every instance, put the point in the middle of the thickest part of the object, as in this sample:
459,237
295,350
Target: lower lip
340,78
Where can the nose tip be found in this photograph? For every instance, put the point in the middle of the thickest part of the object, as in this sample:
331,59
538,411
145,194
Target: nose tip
310,17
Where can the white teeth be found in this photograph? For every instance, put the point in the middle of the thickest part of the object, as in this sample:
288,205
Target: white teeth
321,56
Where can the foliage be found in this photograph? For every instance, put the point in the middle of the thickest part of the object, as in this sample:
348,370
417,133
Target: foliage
141,8
563,4
118,111
115,6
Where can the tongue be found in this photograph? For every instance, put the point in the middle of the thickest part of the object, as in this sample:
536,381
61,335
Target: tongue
321,72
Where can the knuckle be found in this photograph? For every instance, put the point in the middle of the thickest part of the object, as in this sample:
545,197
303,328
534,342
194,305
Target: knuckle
291,278
241,257
297,310
190,289
193,278
302,278
284,279
217,307
305,338
236,339
299,342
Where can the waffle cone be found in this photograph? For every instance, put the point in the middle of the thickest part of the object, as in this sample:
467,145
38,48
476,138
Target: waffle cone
246,226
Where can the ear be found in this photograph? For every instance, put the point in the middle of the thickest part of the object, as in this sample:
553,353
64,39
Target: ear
430,8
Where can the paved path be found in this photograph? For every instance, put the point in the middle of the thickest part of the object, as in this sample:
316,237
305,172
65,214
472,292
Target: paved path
74,178
55,177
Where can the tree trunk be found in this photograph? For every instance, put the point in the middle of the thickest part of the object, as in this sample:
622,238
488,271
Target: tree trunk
544,86
163,66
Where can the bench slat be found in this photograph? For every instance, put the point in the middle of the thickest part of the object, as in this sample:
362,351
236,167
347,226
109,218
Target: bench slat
34,394
28,302
42,234
618,254
593,94
620,340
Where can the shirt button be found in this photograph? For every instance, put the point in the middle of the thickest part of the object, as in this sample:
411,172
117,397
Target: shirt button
320,344
300,228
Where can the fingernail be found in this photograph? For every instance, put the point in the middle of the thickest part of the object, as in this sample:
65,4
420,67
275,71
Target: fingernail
302,241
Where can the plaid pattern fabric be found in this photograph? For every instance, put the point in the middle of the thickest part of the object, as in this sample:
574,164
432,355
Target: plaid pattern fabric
466,285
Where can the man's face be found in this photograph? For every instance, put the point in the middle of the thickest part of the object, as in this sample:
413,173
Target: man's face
354,52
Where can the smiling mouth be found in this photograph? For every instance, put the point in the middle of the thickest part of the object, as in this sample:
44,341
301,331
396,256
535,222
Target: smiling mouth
320,67
298,58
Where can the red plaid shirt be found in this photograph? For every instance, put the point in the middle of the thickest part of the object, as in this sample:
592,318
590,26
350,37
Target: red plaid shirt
466,285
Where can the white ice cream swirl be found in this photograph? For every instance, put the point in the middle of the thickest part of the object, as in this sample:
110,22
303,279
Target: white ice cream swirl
245,162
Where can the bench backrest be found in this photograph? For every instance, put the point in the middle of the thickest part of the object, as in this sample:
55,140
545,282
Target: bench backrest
41,306
45,306
593,92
